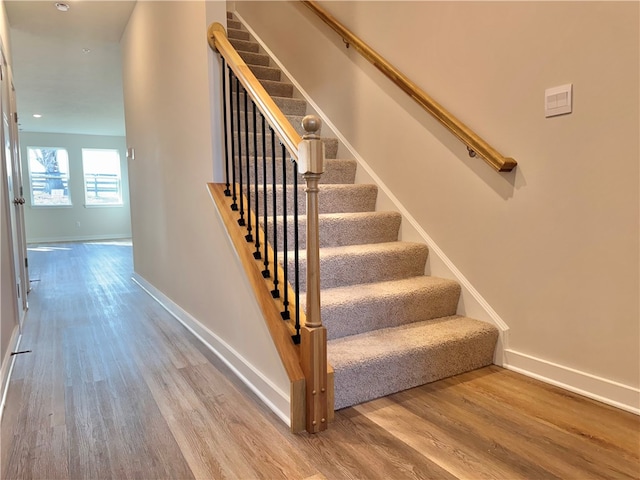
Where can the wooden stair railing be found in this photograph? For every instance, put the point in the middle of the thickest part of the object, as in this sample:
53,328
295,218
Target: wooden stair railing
301,341
475,144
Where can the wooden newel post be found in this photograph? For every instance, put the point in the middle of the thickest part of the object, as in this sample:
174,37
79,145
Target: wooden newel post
313,336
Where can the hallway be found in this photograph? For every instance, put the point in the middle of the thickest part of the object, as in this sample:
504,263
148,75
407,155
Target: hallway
114,387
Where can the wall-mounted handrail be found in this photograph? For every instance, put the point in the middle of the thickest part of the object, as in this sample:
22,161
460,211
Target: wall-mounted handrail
474,143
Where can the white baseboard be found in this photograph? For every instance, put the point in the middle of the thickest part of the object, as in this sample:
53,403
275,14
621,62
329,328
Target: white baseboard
277,400
7,366
78,238
601,389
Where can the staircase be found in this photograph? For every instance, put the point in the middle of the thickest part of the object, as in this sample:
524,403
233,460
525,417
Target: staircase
389,326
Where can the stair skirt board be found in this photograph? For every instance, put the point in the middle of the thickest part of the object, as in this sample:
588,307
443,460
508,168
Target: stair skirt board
389,326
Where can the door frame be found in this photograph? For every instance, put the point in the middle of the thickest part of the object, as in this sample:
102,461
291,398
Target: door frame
12,179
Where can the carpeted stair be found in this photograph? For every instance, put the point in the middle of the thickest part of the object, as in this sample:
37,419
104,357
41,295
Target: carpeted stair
390,327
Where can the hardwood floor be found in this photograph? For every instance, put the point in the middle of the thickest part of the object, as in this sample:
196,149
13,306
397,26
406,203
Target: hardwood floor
116,388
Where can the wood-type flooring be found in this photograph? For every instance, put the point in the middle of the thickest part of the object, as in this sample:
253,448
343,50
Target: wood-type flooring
116,388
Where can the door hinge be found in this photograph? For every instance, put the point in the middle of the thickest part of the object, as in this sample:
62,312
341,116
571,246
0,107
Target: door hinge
15,117
21,191
26,262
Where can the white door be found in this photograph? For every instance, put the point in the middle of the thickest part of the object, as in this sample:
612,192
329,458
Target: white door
14,199
18,182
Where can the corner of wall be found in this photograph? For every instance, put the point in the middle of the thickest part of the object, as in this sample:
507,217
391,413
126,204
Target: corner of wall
597,388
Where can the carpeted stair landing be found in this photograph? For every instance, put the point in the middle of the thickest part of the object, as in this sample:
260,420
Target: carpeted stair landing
389,326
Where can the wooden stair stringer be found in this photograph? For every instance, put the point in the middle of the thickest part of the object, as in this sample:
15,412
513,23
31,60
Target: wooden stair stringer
279,329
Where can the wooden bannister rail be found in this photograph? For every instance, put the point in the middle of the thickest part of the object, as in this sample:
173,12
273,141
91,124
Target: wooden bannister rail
475,144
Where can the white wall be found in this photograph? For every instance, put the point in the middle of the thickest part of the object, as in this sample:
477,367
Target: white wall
44,224
553,246
181,251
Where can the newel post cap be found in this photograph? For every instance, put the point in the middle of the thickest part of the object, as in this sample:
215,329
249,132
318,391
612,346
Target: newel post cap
311,148
311,125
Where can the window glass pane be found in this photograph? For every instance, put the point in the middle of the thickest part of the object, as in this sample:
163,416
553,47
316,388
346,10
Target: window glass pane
102,180
49,176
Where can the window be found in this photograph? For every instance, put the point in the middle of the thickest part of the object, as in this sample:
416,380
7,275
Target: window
49,176
102,180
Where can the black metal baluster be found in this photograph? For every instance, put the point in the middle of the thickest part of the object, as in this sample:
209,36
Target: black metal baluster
296,249
285,252
248,237
238,87
234,204
275,293
227,192
256,254
265,272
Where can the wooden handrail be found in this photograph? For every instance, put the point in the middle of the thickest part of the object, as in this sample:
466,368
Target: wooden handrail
475,144
217,37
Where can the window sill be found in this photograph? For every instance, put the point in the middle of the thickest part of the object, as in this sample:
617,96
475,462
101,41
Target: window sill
110,205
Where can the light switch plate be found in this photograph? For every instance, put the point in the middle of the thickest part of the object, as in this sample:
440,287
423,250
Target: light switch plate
558,100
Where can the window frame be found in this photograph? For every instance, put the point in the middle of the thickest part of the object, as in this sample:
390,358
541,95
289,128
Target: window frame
87,202
34,204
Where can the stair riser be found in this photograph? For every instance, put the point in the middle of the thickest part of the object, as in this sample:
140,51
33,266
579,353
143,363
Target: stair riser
336,172
357,198
336,233
266,73
411,369
255,58
367,268
273,88
295,120
288,106
376,312
244,45
238,34
234,24
330,146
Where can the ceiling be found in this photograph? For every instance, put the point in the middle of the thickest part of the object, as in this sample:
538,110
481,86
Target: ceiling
75,90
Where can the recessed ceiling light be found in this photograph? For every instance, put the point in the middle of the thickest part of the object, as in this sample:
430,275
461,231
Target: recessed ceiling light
37,115
63,7
86,50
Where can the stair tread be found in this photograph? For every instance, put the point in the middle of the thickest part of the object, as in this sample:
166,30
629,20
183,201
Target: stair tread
369,249
347,216
329,186
404,340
